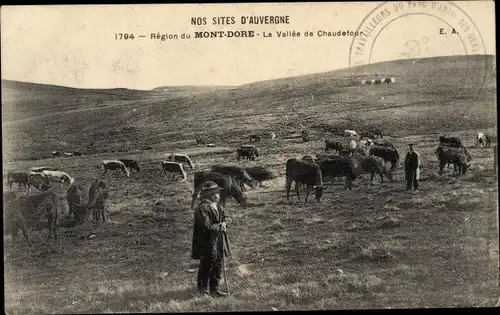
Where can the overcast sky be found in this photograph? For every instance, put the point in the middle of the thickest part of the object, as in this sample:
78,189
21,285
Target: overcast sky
75,45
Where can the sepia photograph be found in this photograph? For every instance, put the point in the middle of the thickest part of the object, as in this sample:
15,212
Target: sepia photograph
217,157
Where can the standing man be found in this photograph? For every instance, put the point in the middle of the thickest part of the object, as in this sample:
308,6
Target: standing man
210,243
412,168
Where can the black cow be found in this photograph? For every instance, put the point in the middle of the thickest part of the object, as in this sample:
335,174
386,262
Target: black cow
132,164
249,152
450,141
383,143
333,145
376,132
98,193
21,178
347,166
372,164
452,155
358,151
389,154
260,174
39,181
238,174
75,196
76,153
254,137
229,185
56,154
305,173
26,212
175,168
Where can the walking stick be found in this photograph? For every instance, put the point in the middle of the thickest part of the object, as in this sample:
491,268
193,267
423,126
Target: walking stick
224,262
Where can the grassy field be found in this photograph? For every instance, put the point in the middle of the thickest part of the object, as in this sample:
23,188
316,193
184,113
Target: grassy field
377,246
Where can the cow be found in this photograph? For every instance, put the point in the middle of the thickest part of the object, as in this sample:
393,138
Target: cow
375,132
260,174
450,141
366,135
350,133
365,143
358,151
373,164
180,158
58,176
210,145
39,169
76,153
226,182
340,166
174,168
483,140
200,141
56,154
115,165
25,213
238,174
254,137
249,152
75,196
304,173
451,155
324,156
384,143
305,136
98,194
389,154
131,164
68,154
21,178
308,158
345,152
378,81
39,181
334,145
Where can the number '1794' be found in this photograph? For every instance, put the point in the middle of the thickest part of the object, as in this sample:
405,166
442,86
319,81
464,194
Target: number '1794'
125,36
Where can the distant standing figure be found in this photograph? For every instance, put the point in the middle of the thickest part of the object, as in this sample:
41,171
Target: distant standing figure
210,244
412,168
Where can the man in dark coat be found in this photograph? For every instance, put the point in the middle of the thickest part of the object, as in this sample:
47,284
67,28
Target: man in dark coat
412,168
210,243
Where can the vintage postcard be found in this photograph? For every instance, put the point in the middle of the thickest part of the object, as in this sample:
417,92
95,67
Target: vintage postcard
249,157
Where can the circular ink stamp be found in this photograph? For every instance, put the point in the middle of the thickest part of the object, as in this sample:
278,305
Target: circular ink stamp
428,43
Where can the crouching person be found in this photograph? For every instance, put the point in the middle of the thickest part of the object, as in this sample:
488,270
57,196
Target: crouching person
210,244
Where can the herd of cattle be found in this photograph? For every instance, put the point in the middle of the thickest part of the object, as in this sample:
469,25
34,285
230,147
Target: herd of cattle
366,153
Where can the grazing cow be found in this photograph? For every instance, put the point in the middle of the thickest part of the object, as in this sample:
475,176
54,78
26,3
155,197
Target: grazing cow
174,168
383,143
450,141
40,169
358,151
305,173
238,174
200,141
350,133
56,154
376,132
389,154
345,152
389,80
58,176
115,165
39,181
340,166
378,81
483,140
451,155
76,153
324,156
260,174
21,178
180,158
67,154
366,134
131,164
98,194
254,138
25,213
334,145
229,185
372,164
249,152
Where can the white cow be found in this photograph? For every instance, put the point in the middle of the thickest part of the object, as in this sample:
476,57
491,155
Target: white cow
115,165
350,133
482,139
180,158
58,176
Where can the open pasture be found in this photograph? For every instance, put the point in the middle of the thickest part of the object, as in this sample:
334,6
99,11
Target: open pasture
377,246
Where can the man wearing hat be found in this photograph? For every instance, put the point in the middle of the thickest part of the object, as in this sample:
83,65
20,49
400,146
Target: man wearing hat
412,168
210,243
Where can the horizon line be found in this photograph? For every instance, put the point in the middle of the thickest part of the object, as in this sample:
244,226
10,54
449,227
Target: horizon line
233,86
